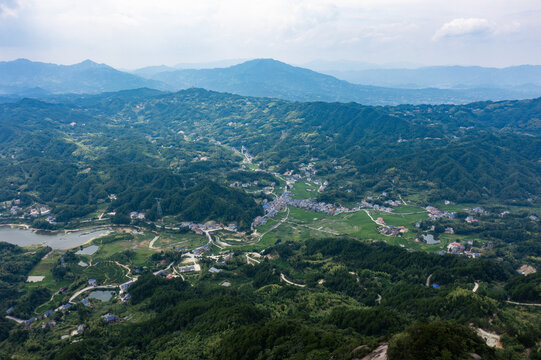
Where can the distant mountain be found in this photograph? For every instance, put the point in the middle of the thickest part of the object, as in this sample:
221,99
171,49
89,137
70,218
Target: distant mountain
447,77
150,71
274,79
209,64
271,78
28,78
348,65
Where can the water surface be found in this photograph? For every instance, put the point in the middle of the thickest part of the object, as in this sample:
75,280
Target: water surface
89,250
56,240
103,295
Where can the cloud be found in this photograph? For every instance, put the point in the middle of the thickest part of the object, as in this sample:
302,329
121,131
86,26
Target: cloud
133,33
463,27
8,8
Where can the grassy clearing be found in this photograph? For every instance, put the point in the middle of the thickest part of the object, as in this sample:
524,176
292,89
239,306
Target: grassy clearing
43,268
303,224
189,240
303,189
106,272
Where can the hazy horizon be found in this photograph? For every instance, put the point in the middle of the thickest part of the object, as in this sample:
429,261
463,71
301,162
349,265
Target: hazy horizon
134,34
315,65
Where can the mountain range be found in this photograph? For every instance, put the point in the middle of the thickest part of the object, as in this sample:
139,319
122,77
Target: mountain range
33,79
261,78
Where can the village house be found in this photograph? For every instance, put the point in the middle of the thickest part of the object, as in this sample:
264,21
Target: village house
455,248
80,329
470,220
110,318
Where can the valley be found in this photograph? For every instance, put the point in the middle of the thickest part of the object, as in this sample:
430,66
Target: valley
245,218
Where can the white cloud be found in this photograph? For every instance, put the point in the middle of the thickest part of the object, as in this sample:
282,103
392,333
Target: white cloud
132,33
8,8
463,27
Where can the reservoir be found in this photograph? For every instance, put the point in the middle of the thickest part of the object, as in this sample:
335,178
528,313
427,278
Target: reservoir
56,240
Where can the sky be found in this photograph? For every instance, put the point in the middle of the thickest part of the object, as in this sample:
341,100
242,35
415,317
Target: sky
128,34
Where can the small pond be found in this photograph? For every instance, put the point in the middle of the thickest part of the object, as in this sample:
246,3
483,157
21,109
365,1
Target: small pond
89,250
103,295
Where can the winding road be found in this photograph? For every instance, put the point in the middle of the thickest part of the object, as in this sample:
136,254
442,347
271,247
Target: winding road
151,245
275,226
290,282
250,260
522,304
428,279
18,321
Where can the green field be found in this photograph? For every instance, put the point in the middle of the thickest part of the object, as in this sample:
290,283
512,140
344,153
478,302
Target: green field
303,224
43,268
303,191
106,272
190,240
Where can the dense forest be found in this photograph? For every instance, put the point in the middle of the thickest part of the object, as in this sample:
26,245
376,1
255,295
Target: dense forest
72,152
358,296
15,265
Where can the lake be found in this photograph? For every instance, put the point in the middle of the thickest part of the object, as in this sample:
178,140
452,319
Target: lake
56,240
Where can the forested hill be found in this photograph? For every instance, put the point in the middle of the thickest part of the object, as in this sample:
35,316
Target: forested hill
143,144
458,152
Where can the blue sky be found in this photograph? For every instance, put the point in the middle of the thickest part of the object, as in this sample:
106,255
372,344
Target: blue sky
135,33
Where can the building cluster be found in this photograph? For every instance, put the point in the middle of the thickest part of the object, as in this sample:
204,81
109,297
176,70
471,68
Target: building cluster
201,228
478,211
272,208
244,185
470,219
110,318
393,203
189,268
308,169
134,215
434,213
200,250
391,230
455,248
41,211
368,205
459,249
258,221
15,208
124,294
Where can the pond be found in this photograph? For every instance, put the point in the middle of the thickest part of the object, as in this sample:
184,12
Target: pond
103,295
56,240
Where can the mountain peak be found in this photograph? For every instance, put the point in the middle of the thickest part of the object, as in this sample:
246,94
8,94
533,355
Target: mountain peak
89,64
263,62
